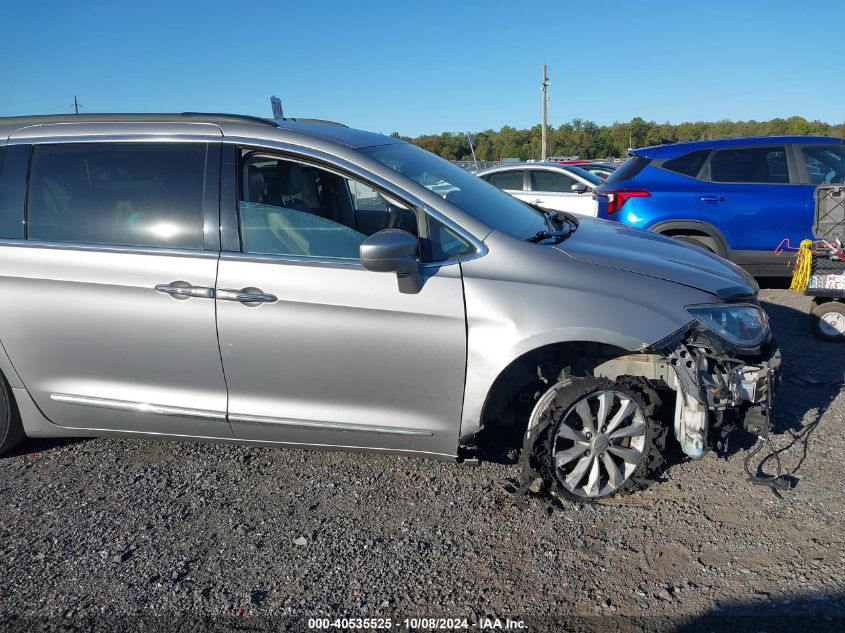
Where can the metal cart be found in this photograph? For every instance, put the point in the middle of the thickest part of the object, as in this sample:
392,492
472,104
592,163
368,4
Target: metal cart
820,269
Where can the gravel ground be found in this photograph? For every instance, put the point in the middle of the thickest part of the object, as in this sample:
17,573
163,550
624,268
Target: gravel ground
113,529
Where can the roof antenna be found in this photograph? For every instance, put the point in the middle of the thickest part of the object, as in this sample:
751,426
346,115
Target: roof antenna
75,105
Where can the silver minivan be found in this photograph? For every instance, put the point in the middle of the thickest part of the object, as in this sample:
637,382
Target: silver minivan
229,278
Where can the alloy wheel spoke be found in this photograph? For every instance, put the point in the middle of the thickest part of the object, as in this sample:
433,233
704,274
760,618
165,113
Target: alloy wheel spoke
630,455
577,474
583,411
594,480
569,433
614,475
626,408
633,430
564,457
605,404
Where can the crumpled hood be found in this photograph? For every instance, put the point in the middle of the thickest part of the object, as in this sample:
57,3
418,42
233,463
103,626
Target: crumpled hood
626,248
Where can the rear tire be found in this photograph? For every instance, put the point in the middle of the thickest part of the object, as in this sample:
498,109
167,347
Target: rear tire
827,321
11,429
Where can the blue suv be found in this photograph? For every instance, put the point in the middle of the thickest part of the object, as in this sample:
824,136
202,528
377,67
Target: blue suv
738,197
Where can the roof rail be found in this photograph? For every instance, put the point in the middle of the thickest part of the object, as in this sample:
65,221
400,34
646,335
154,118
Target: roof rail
321,121
246,118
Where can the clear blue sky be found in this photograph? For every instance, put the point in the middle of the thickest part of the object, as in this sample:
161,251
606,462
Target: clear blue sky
419,67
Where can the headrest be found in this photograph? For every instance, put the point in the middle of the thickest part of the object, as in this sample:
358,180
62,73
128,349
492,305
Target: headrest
255,186
290,178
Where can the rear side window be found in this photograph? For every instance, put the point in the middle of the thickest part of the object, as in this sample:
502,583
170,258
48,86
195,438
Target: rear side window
146,194
688,164
628,169
751,164
511,180
551,181
13,161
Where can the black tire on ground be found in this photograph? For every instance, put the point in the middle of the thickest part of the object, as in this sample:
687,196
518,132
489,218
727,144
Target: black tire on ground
11,429
824,318
700,240
553,408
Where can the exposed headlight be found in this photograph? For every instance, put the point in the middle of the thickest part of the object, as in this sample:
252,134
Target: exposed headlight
742,325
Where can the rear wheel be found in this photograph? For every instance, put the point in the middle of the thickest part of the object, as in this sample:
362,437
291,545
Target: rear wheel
601,439
11,429
827,321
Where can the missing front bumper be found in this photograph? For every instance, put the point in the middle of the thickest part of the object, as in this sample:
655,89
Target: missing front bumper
713,385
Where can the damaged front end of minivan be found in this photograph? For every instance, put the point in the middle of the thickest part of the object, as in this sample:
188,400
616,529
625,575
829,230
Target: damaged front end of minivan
602,434
718,386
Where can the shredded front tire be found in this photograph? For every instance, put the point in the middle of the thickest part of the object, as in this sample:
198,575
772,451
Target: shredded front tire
591,438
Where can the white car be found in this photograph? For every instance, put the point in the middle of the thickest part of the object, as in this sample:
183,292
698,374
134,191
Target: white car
551,186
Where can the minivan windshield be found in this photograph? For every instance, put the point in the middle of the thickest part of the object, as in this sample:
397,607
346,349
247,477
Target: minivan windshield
469,193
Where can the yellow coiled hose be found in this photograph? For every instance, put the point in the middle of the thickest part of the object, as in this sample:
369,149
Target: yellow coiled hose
803,265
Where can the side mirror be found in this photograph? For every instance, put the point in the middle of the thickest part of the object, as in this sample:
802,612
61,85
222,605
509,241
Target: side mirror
579,187
394,251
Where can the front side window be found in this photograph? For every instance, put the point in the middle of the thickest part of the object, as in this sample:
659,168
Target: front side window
750,165
551,181
825,163
143,194
507,180
295,209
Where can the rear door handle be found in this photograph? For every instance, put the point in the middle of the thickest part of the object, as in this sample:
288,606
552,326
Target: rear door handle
712,199
184,290
246,296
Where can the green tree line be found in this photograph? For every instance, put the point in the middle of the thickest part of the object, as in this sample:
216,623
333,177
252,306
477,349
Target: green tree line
589,140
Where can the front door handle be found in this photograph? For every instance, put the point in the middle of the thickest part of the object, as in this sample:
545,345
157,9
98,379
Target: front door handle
712,199
247,296
184,290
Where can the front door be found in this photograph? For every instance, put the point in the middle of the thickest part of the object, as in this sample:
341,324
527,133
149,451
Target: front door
316,349
109,317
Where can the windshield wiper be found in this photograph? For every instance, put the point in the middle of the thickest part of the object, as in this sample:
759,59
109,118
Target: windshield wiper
546,235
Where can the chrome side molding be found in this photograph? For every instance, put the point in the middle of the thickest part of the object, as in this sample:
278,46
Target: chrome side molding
327,426
138,407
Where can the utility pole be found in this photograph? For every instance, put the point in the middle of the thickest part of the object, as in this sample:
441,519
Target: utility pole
544,93
472,149
75,105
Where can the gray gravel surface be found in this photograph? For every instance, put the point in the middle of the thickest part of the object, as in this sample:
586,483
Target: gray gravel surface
115,528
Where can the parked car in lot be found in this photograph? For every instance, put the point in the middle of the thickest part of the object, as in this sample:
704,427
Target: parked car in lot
235,279
739,198
600,169
551,186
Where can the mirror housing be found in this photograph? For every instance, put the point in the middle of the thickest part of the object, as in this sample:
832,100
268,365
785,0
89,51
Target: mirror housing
390,251
579,187
394,251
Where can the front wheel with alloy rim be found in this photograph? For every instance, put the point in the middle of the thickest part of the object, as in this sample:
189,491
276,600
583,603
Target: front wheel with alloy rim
601,438
828,321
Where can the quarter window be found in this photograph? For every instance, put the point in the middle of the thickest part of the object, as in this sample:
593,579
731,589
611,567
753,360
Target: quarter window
825,163
752,165
508,180
552,181
120,194
688,164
